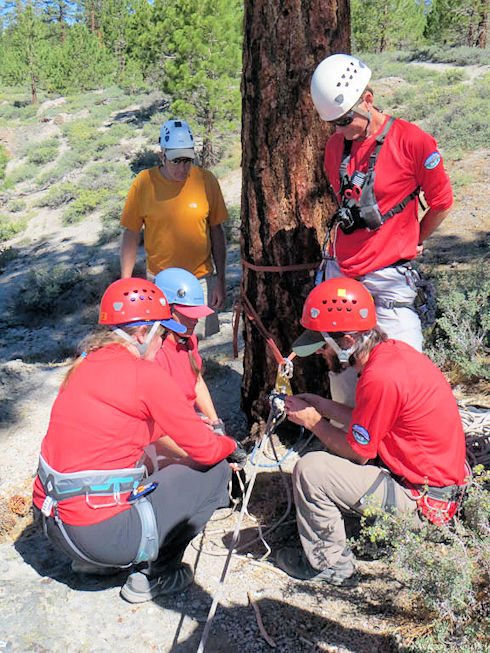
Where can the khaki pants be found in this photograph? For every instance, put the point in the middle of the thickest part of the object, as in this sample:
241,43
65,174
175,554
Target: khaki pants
206,326
323,485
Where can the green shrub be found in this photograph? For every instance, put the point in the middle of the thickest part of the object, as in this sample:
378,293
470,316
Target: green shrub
85,202
444,568
43,151
16,206
24,172
459,342
3,160
59,195
9,228
43,288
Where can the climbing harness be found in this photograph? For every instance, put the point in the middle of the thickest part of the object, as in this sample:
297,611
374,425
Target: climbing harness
277,414
102,483
359,208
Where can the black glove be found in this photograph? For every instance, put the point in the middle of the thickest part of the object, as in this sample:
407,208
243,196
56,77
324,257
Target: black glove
239,456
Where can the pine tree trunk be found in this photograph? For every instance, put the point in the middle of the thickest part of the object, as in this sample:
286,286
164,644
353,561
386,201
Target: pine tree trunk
285,198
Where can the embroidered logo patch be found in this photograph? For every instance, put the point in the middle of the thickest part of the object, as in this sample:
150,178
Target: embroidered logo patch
432,161
361,435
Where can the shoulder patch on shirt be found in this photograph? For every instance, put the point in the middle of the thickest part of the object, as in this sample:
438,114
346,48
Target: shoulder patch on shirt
432,161
361,435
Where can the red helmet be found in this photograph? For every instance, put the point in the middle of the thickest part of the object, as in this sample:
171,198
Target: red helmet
339,304
132,301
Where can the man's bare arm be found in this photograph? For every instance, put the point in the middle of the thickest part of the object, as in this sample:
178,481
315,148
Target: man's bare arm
129,249
328,408
333,438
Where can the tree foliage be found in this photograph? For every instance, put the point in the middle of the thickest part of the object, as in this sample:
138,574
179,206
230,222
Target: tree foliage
379,25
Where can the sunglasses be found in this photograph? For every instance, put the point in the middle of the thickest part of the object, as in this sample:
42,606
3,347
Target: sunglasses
344,120
184,160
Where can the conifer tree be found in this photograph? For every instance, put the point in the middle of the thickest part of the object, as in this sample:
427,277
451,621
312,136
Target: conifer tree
201,67
379,25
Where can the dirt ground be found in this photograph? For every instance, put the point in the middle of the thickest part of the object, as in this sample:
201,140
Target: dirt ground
45,607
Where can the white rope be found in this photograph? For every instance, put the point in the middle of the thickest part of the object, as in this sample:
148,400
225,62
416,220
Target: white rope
271,423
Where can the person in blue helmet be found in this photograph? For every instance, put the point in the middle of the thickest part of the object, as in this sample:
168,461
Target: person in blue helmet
179,355
181,209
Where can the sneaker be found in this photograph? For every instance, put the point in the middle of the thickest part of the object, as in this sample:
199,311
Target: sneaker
295,564
82,567
139,588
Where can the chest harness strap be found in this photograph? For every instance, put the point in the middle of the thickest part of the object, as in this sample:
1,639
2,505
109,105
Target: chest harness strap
359,208
107,482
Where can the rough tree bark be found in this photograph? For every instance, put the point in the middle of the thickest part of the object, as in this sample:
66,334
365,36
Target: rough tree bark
285,199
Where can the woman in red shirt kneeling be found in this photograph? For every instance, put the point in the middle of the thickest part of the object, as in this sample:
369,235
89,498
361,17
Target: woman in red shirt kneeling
97,504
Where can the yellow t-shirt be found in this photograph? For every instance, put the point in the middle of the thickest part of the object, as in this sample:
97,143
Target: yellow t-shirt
177,217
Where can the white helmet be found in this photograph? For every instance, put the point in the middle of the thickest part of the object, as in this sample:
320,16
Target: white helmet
177,135
337,84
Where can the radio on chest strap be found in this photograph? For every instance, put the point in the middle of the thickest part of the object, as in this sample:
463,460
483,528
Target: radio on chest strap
359,208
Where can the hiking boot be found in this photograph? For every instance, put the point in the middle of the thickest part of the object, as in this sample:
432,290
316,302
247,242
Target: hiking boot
139,588
295,564
82,567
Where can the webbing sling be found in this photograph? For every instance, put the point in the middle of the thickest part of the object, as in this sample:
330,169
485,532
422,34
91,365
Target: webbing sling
389,492
345,179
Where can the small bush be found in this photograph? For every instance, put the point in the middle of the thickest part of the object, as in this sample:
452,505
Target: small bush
43,288
59,195
460,340
16,206
86,202
3,161
24,172
43,151
445,569
9,228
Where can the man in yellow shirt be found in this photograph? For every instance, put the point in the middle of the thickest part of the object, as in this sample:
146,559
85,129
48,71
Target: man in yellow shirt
182,210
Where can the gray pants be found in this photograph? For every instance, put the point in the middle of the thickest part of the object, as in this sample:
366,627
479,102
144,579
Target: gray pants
323,485
183,502
398,323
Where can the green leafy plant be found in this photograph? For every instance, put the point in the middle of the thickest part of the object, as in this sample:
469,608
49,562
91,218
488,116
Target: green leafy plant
9,227
85,202
43,151
459,343
446,570
43,288
4,159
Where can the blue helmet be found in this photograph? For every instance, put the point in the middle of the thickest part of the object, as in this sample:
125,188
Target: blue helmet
181,287
176,134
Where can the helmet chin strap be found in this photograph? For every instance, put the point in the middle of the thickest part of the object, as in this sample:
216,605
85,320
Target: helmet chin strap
142,347
369,116
342,354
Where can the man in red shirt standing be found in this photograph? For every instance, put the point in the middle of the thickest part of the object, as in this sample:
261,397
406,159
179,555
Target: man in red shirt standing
377,166
405,414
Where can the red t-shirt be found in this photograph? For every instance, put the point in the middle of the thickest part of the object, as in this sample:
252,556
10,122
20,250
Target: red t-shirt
111,408
173,357
406,413
407,159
